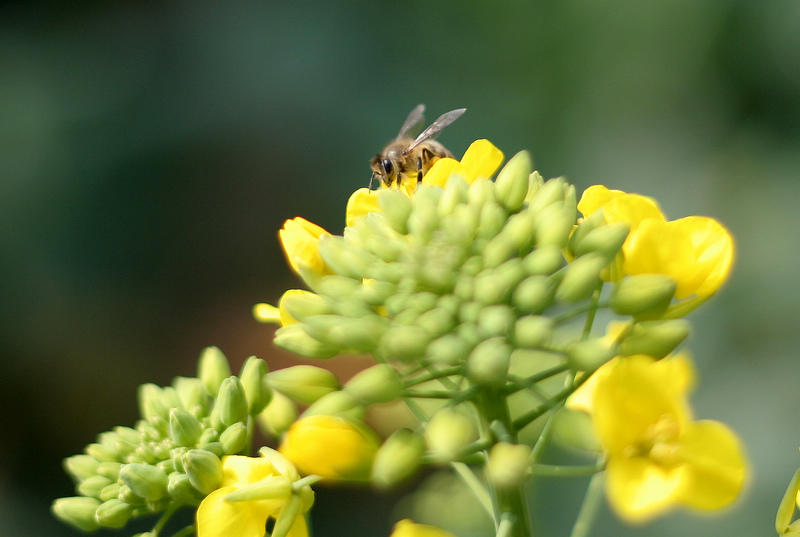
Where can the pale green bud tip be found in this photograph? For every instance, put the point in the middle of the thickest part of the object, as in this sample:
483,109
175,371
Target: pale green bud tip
279,415
81,467
448,431
266,313
294,338
508,464
114,513
77,511
232,402
588,355
184,428
655,338
233,439
581,278
488,362
181,489
204,469
511,184
303,383
377,384
606,239
398,458
337,404
256,385
645,296
212,369
533,331
93,485
149,482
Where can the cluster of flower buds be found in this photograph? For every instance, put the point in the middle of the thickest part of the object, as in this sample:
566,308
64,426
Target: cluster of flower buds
172,455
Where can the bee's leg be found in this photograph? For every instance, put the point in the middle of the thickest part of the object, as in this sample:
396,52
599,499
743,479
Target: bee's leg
419,169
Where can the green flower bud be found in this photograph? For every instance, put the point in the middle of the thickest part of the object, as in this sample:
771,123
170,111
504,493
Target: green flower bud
148,431
449,431
209,434
495,286
128,496
581,278
233,438
303,383
204,470
77,511
149,482
380,239
424,219
168,465
437,321
551,192
462,226
191,392
150,402
212,369
93,485
114,513
480,193
405,343
351,307
336,286
396,208
398,458
583,229
184,428
554,224
344,257
102,453
294,338
302,305
279,414
181,489
655,338
574,428
535,182
453,196
511,185
231,402
386,272
376,293
589,355
488,363
337,404
533,295
109,491
81,467
606,240
275,487
493,218
508,464
495,320
533,331
645,296
361,335
146,453
256,385
545,261
377,384
449,349
213,447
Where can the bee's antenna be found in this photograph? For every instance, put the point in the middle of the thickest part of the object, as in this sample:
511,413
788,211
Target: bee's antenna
370,181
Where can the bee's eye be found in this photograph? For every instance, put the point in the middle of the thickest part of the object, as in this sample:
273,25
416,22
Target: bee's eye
387,166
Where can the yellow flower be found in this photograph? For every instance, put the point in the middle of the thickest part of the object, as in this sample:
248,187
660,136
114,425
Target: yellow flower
300,241
331,447
657,455
697,252
408,528
266,313
481,159
254,489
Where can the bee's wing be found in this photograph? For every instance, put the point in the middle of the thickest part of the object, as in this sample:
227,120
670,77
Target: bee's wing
414,118
436,127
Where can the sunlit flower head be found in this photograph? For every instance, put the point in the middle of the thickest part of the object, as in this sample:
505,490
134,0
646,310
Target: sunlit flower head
331,447
254,490
300,241
658,457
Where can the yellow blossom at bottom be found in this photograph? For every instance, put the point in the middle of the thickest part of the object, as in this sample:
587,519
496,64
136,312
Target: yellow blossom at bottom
408,528
268,480
331,447
658,457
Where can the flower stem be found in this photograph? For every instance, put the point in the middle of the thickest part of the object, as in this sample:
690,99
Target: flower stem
589,507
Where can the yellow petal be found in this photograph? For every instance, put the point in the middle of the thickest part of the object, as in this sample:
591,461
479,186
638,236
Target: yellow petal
715,463
266,313
219,518
481,159
362,202
713,250
639,490
331,447
408,528
300,241
441,171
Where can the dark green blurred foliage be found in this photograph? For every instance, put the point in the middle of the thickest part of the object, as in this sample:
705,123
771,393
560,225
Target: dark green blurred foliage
149,152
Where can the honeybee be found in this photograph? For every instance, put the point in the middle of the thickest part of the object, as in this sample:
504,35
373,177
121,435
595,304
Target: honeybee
406,157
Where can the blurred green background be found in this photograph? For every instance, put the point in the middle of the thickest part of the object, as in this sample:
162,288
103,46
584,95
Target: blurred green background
149,152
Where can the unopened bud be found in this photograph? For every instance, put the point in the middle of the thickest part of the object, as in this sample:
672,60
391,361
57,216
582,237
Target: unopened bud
184,428
294,338
81,467
102,453
279,414
181,489
398,458
589,355
511,184
448,431
303,383
77,511
606,239
554,224
534,294
93,485
488,363
191,392
231,402
508,464
645,296
337,404
396,207
581,278
533,331
377,384
574,428
212,369
256,385
449,349
149,482
114,513
655,338
404,343
150,403
551,192
496,320
204,470
544,260
233,438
